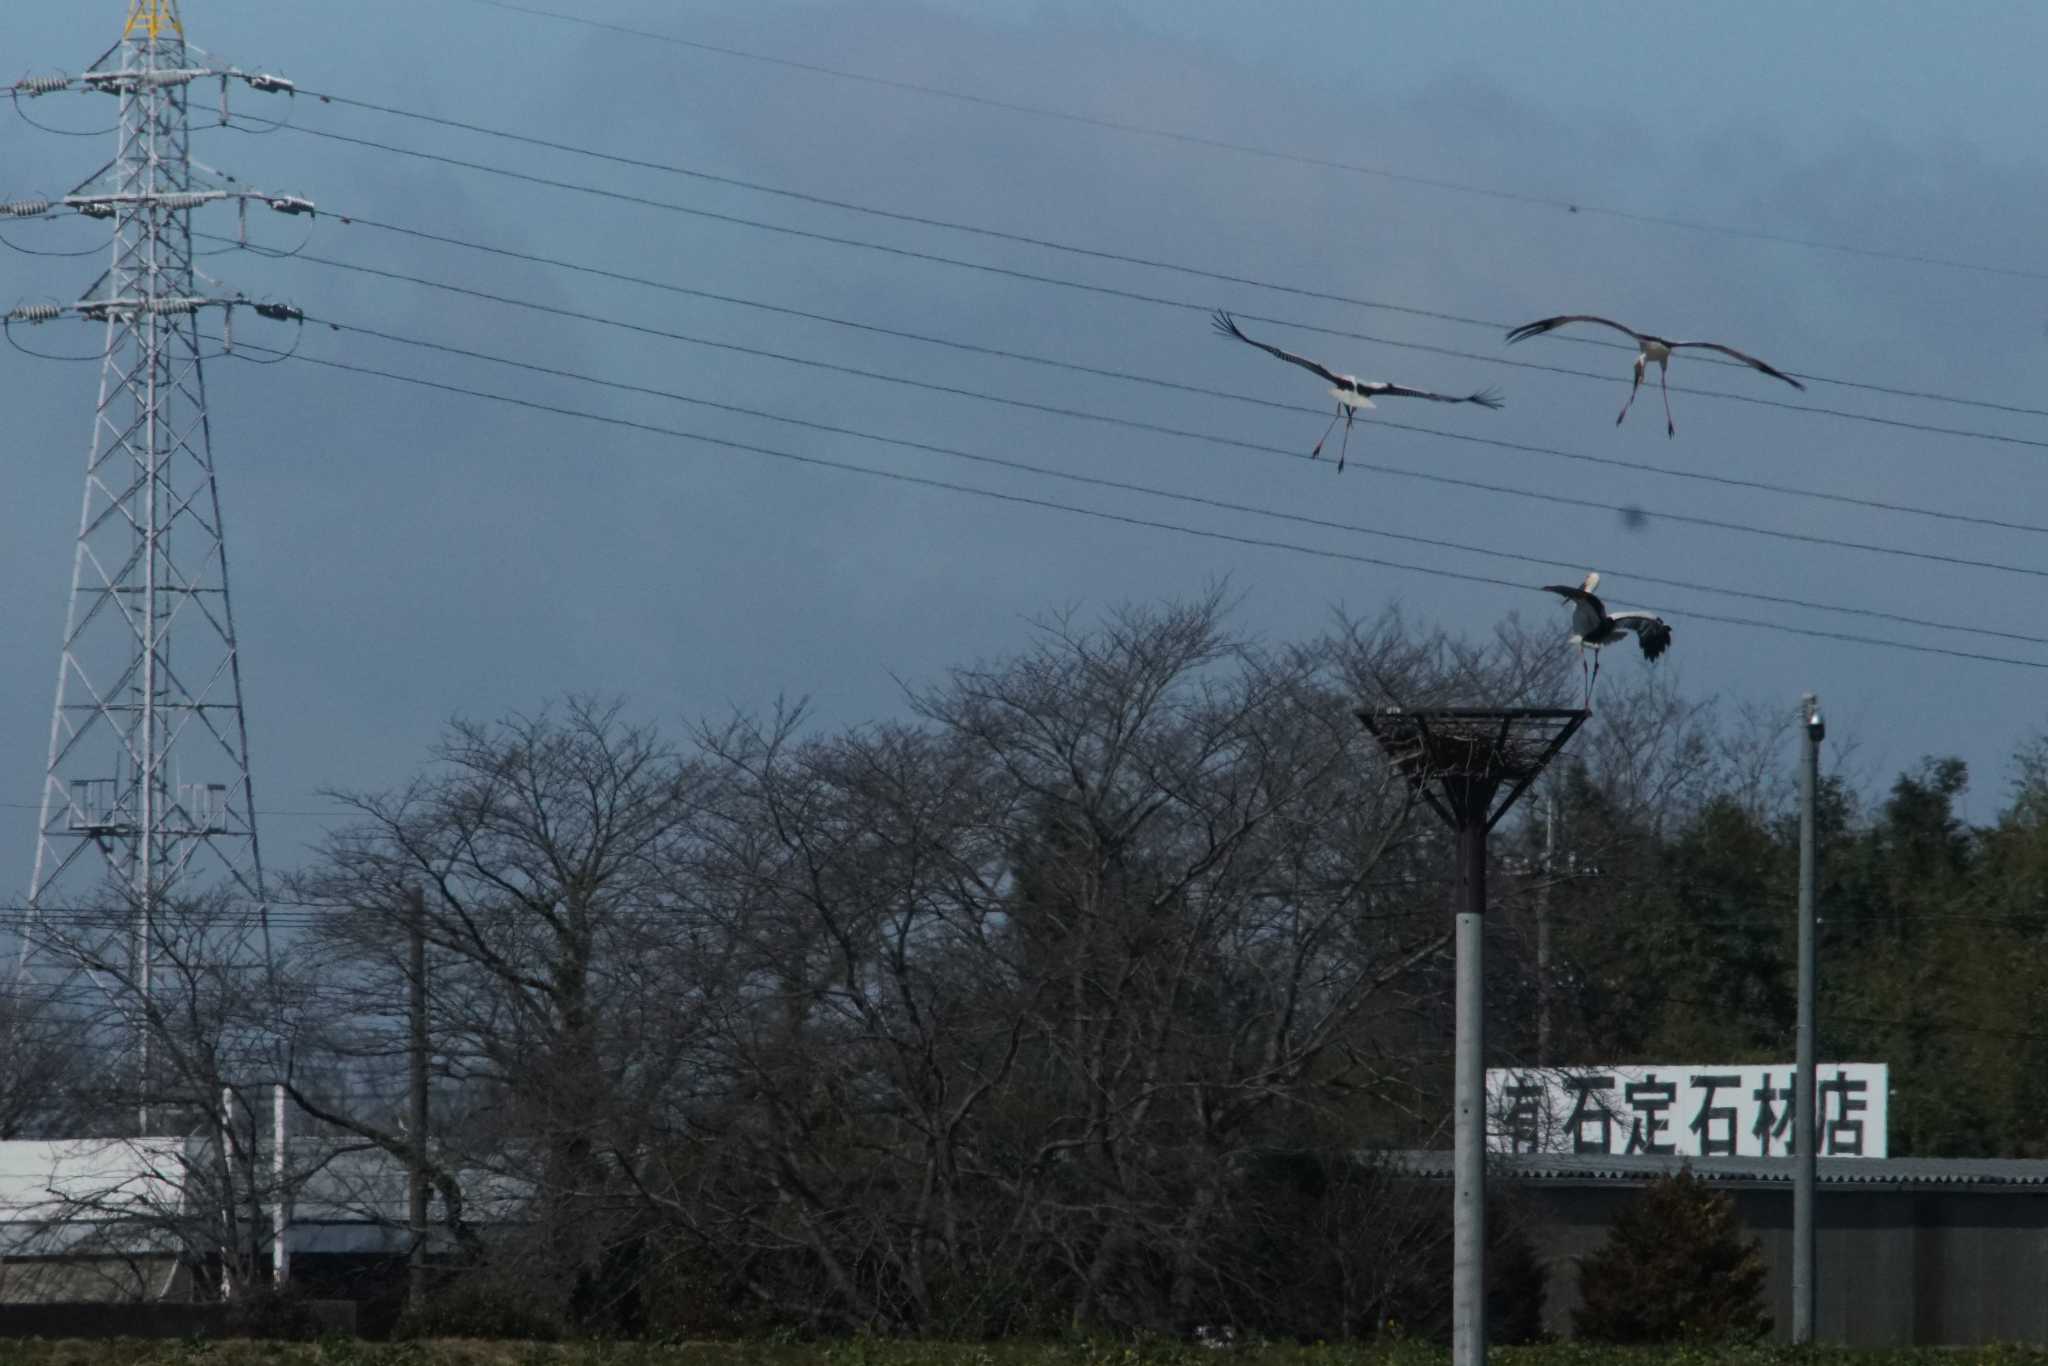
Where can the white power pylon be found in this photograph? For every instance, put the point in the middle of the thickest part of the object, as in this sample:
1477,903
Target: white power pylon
148,782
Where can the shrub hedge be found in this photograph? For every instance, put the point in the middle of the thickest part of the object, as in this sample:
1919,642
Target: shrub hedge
868,1352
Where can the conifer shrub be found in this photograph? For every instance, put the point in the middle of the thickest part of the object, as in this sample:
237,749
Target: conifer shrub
1675,1268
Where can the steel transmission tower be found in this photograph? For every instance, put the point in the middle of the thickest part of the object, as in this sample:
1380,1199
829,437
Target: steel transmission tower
148,781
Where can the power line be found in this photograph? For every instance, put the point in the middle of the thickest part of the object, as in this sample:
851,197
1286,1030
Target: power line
1103,515
1096,253
975,348
1124,486
1801,537
669,206
1572,206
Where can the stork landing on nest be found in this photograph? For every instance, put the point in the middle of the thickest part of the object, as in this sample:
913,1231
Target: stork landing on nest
1594,628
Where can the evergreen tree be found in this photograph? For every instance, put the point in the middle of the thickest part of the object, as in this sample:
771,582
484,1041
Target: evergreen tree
1675,1268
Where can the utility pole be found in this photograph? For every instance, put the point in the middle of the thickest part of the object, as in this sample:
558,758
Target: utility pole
280,1193
1458,760
416,1211
230,1218
148,780
1543,992
1805,1139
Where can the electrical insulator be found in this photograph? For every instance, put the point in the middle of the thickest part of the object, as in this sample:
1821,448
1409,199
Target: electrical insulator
26,208
124,82
291,203
42,85
284,313
185,199
276,85
36,313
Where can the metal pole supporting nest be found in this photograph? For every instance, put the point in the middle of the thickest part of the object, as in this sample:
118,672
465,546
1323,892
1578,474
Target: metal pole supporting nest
1460,761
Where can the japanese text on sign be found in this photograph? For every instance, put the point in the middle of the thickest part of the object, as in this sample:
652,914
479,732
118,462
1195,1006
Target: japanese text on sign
1698,1111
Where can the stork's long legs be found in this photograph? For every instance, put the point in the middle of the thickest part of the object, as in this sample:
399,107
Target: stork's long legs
1344,447
1631,392
1664,383
1596,681
1326,435
1584,681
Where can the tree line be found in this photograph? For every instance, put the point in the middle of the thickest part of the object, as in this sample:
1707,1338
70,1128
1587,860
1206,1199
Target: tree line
1080,995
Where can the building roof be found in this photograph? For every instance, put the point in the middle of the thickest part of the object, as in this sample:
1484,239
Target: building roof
128,1196
2019,1175
66,1196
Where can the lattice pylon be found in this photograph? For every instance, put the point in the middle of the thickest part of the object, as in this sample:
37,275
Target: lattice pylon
148,786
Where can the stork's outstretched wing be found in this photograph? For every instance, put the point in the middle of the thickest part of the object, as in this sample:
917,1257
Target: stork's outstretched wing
1650,630
1542,325
1577,595
1227,325
1485,398
1743,356
1588,612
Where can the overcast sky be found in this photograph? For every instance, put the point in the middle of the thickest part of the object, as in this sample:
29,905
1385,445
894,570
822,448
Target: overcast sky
403,555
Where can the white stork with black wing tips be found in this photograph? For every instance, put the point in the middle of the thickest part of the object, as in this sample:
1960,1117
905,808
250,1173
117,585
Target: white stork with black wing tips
1594,627
1650,348
1351,392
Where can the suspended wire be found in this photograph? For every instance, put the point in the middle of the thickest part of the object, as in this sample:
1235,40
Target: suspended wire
1125,519
98,248
277,357
1572,206
7,328
234,244
14,246
1686,518
1121,258
1075,367
1801,537
669,206
32,122
1121,485
237,122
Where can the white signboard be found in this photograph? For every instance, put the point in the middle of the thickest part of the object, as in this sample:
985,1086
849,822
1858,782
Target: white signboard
1701,1111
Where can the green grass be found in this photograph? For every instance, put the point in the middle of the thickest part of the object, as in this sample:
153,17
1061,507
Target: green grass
866,1352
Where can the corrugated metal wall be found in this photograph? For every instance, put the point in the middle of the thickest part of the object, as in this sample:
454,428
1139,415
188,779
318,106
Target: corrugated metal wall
1930,1266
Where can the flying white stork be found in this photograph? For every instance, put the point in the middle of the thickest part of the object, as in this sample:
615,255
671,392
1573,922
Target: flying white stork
1593,626
1651,348
1351,392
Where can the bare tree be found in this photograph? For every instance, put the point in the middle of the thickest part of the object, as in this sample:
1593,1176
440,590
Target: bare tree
49,1064
1030,984
543,850
194,993
872,1022
1000,1017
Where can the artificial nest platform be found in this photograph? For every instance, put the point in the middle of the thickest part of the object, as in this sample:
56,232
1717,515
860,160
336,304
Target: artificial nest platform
1464,742
1472,749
